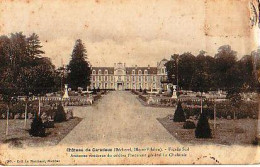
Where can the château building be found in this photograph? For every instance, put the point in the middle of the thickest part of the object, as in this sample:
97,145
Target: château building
121,77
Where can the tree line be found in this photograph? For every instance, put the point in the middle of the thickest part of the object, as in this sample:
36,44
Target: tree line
24,70
224,71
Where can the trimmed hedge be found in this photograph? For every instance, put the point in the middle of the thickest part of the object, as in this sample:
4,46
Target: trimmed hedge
189,125
224,109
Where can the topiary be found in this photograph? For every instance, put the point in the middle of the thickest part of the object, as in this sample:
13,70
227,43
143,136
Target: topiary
37,128
203,129
179,114
60,114
144,91
189,125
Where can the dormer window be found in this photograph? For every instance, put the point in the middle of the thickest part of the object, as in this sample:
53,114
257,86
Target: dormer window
99,71
133,72
106,72
145,72
139,72
94,72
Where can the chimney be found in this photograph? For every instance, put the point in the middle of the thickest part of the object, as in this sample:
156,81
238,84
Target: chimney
148,66
135,66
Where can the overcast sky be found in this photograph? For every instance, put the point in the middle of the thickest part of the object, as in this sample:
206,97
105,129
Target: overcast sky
135,32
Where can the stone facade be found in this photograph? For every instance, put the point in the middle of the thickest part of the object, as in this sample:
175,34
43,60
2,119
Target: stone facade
121,77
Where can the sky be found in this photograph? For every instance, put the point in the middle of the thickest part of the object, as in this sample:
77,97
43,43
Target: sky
131,31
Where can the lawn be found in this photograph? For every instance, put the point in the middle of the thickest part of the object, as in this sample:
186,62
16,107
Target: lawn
19,136
227,132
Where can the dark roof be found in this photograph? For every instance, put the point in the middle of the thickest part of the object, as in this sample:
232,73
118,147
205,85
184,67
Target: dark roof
151,70
109,69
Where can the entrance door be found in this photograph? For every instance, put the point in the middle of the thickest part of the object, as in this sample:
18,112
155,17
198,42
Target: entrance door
119,86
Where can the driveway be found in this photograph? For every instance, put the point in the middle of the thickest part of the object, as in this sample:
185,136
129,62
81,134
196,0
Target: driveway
119,118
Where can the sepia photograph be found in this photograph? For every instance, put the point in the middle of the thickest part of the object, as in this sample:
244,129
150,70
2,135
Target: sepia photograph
118,82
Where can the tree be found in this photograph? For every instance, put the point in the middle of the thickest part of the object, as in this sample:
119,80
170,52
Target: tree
34,46
225,59
180,70
22,67
248,67
79,70
171,68
186,67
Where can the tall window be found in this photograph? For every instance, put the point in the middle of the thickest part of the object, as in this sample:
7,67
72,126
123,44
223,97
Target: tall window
153,78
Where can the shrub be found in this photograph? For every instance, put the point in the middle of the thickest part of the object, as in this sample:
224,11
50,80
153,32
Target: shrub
60,114
37,128
48,124
3,108
17,108
69,114
189,125
203,129
94,91
144,91
179,114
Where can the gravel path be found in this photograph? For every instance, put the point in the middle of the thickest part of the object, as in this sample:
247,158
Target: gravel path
119,118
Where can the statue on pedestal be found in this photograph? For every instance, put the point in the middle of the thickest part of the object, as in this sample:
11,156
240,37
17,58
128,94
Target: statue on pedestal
174,92
66,93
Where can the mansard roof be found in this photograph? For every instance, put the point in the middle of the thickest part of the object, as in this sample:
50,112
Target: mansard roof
151,70
109,69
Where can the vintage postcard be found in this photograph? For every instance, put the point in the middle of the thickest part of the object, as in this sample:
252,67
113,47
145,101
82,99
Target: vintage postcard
86,82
